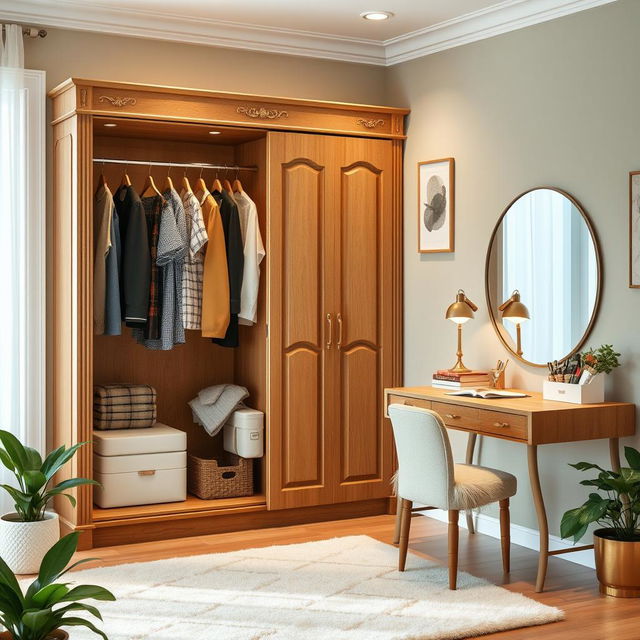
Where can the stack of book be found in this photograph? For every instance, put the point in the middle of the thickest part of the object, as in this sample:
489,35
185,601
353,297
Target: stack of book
446,379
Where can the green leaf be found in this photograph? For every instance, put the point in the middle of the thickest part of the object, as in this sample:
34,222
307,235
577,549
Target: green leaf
11,603
37,620
585,466
57,558
34,481
570,522
56,492
8,578
88,591
6,460
579,533
80,606
49,595
75,564
633,457
631,476
51,460
81,622
73,482
592,511
51,467
16,451
34,461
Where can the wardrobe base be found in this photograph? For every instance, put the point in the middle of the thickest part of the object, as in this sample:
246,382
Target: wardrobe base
134,530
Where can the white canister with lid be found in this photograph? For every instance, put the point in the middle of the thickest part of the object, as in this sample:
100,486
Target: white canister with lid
244,433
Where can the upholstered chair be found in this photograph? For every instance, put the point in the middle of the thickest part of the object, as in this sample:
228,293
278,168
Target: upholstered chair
428,476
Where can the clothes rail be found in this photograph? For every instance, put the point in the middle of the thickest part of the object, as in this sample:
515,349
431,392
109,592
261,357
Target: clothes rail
188,165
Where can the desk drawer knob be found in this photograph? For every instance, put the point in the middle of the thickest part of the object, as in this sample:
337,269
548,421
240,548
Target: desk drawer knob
501,424
451,416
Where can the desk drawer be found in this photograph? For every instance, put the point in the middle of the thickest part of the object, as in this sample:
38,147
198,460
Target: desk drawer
510,425
410,402
457,416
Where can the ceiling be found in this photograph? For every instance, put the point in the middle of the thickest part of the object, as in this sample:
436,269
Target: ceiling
330,29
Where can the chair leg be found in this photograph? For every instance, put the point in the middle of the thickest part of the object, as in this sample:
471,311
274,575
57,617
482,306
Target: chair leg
396,532
453,548
405,525
505,535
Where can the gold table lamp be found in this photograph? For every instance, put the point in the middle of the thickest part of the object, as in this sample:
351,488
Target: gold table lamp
516,312
459,312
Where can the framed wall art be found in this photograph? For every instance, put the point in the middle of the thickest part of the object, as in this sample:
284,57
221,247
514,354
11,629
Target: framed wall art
436,206
634,229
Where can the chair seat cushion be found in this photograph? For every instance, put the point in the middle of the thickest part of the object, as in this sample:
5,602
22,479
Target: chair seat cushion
476,486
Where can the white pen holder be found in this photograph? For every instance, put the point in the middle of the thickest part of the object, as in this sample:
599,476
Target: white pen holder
592,393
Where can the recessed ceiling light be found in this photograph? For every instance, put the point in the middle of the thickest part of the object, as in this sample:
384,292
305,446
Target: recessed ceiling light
215,133
110,124
376,15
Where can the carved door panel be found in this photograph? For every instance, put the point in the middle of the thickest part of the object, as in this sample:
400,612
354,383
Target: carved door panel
301,293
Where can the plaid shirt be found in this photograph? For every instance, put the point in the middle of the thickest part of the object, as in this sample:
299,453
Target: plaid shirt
194,262
153,209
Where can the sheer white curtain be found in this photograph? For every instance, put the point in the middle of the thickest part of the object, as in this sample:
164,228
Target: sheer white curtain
22,252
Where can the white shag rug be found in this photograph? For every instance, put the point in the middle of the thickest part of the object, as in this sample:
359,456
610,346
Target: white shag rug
339,589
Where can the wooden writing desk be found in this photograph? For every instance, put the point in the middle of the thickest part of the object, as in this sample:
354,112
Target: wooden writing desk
531,421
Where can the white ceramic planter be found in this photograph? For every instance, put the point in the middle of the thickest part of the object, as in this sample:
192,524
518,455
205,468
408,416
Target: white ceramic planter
24,544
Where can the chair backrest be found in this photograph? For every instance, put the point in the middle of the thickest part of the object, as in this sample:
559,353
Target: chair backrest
425,463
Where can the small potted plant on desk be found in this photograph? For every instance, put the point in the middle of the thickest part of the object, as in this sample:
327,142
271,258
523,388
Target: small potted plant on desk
29,532
47,606
617,542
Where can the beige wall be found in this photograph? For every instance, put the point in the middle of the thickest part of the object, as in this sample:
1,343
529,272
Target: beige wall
555,104
63,54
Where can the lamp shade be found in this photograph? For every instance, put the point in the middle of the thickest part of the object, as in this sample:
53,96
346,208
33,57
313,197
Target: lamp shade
461,310
513,310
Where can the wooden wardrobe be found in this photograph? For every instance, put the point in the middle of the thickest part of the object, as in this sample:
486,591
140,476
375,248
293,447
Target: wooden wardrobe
327,180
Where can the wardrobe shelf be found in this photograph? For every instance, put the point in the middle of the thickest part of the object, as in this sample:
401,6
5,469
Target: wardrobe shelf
191,506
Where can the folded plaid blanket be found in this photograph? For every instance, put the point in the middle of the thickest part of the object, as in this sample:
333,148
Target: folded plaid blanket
124,406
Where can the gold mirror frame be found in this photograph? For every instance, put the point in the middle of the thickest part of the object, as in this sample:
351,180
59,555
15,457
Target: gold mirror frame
596,306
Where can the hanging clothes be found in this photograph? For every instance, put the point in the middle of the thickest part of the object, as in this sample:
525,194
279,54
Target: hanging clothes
112,310
169,259
194,262
235,263
153,206
102,208
215,282
254,253
135,274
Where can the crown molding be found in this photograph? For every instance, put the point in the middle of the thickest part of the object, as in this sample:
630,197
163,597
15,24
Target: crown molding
502,17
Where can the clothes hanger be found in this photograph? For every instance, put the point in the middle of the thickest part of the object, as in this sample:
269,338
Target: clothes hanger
237,185
102,182
227,185
125,181
150,185
168,183
217,185
185,182
201,186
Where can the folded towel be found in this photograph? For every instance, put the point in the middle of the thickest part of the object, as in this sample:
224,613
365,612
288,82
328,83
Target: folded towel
124,406
213,405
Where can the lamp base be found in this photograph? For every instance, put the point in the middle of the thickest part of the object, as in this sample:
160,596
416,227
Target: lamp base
459,367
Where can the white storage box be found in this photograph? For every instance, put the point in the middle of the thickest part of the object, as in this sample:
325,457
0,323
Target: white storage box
592,393
140,466
244,433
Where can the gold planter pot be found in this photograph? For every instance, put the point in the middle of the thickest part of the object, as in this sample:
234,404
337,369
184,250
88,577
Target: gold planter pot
617,565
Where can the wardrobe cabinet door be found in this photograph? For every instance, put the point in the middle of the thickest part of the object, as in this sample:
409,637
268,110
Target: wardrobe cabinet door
302,409
364,273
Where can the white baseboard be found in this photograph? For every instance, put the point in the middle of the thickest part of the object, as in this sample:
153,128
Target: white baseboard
522,536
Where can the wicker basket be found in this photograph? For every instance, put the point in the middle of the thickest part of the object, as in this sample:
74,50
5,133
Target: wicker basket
224,477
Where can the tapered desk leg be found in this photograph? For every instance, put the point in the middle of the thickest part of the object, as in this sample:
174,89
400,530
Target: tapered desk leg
614,453
396,532
543,527
471,444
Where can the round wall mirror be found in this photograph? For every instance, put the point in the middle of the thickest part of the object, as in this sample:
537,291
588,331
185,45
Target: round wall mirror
543,276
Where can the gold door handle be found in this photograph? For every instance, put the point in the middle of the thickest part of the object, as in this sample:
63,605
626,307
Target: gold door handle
451,416
147,472
339,331
503,425
330,339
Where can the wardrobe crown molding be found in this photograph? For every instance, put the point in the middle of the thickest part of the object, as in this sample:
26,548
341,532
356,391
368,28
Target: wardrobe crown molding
502,17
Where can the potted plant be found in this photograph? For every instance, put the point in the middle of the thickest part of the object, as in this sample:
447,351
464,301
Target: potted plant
48,606
29,532
617,542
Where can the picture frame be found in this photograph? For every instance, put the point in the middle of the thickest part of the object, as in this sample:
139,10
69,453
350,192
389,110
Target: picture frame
436,206
634,229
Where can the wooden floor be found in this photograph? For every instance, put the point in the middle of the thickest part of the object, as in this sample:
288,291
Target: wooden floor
569,586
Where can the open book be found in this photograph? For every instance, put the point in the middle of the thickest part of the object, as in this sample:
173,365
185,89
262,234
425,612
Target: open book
487,393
